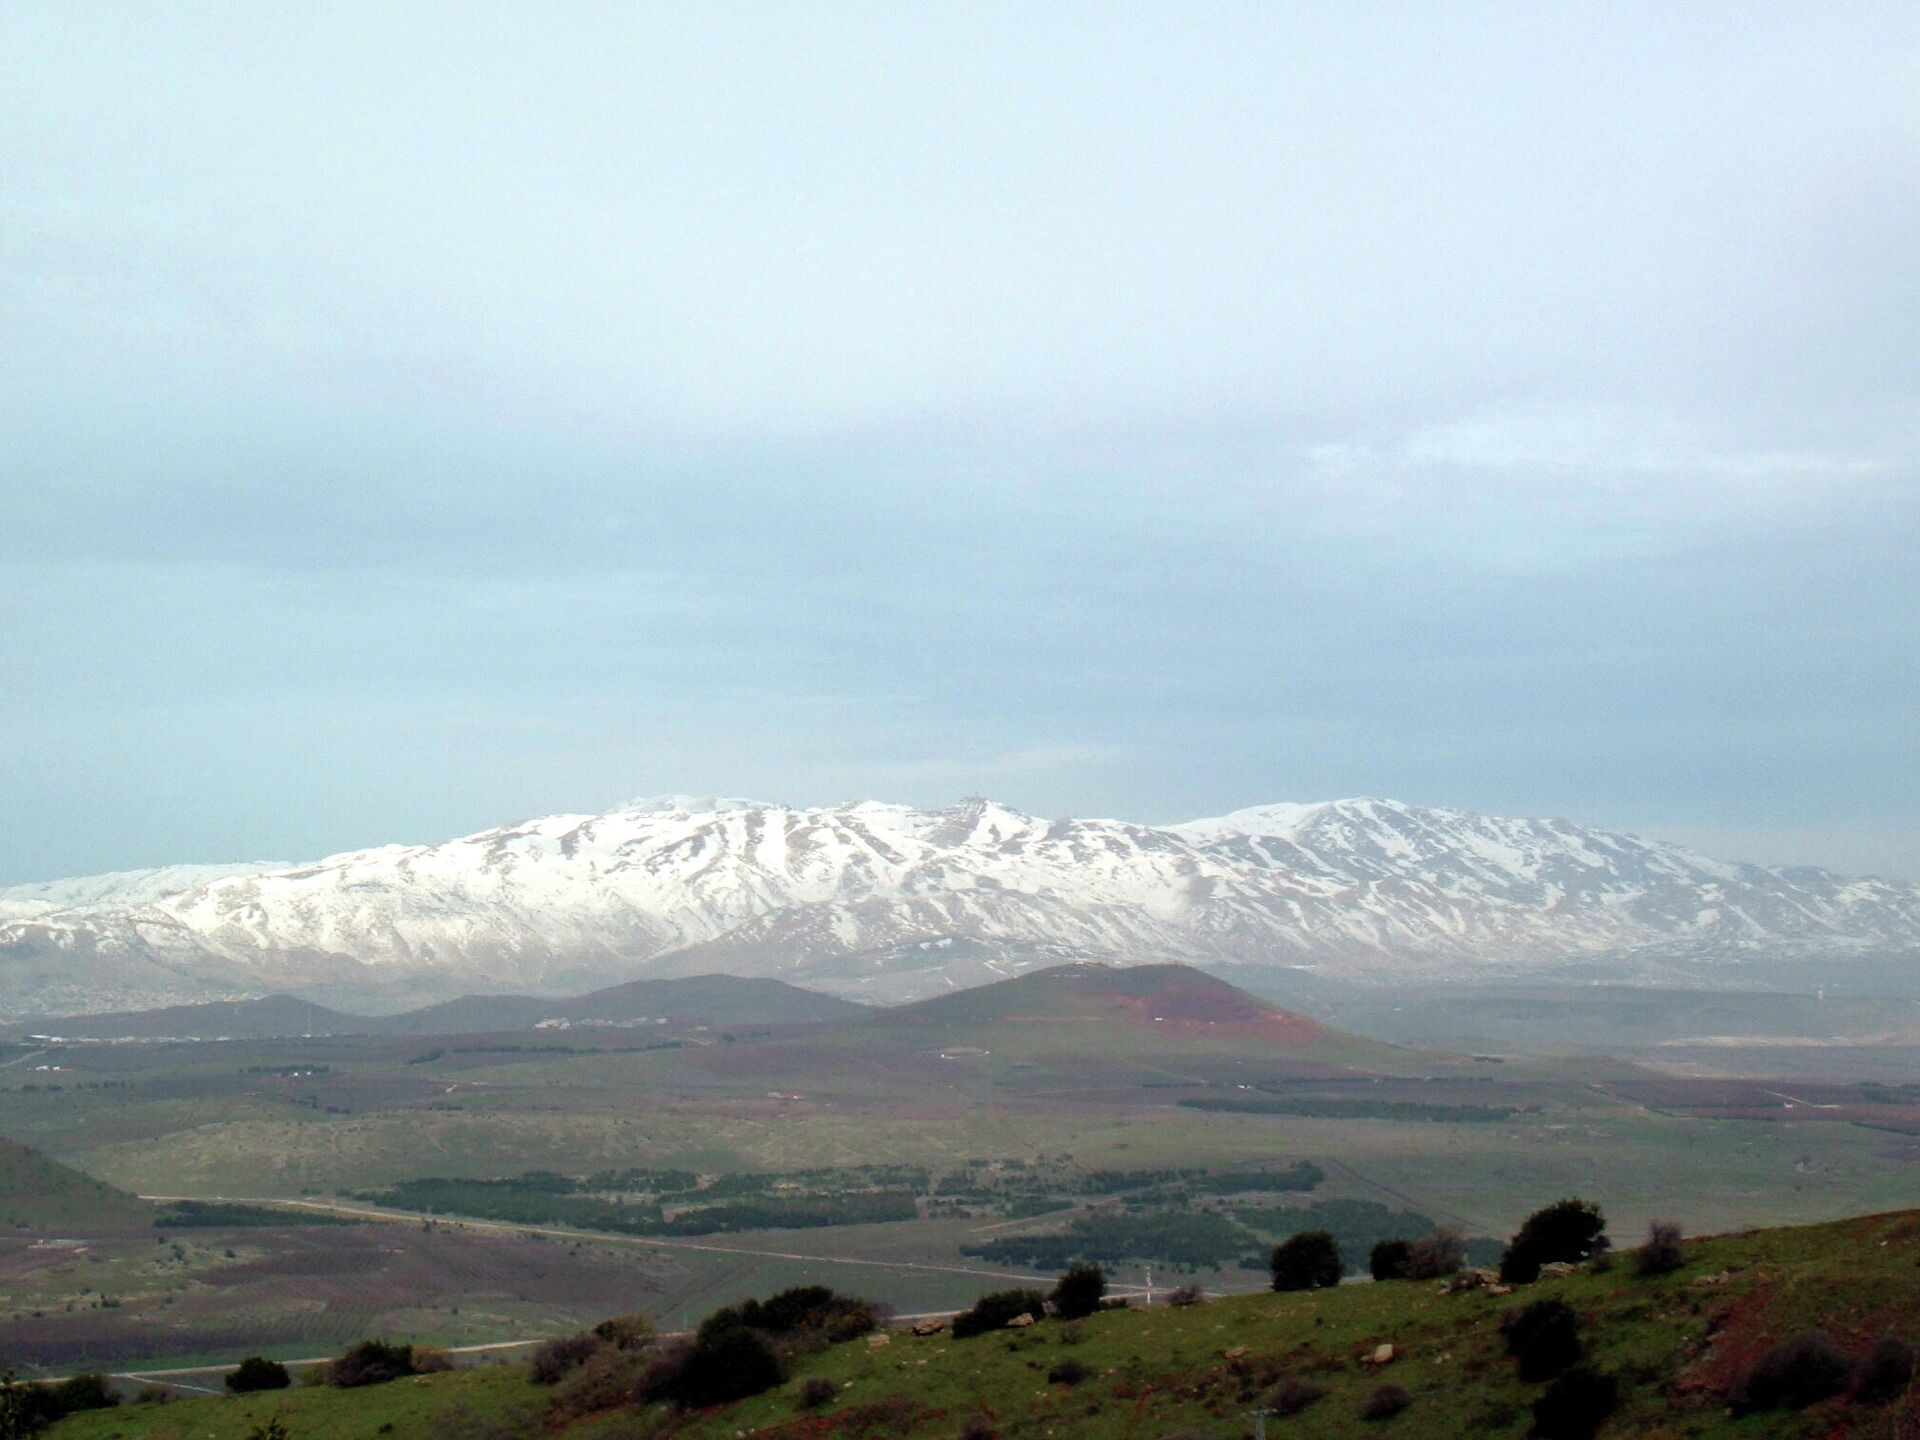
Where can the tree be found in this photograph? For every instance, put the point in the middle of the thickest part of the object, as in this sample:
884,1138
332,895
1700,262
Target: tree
1079,1292
256,1372
993,1311
1663,1253
625,1332
1544,1338
1568,1230
1576,1405
22,1412
1307,1261
1441,1253
728,1364
1389,1260
372,1362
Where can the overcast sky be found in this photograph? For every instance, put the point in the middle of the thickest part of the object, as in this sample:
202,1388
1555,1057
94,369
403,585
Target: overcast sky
415,417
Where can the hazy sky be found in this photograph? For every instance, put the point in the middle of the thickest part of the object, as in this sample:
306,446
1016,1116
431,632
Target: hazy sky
414,417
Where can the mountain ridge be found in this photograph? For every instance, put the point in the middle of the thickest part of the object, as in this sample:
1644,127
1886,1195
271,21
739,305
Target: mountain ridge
875,899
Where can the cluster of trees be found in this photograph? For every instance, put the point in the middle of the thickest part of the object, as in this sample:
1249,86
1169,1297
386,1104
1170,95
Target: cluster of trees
542,1198
737,1351
1570,1231
1076,1294
28,1406
1334,1108
1197,1239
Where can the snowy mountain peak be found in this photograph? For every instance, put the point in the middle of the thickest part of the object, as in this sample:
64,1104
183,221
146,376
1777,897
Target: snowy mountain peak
870,897
677,803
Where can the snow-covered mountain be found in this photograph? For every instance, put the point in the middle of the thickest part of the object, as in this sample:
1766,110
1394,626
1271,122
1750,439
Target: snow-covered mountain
885,900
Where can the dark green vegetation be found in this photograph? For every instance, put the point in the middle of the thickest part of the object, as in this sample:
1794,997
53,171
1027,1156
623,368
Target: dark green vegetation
225,1215
1798,1332
525,1182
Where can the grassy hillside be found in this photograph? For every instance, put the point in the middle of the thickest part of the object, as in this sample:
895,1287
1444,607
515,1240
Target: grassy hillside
1677,1346
46,1197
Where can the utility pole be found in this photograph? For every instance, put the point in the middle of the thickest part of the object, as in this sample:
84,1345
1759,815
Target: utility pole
1259,1423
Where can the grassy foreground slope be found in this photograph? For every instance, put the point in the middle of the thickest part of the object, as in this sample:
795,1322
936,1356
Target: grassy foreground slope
1677,1346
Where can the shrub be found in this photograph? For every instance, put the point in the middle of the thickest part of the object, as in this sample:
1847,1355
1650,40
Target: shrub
660,1370
1068,1372
625,1332
1184,1295
1886,1372
84,1392
1389,1259
1385,1402
993,1311
1797,1372
1569,1230
371,1362
274,1429
1306,1261
804,1310
555,1359
728,1365
1544,1338
1293,1394
1441,1253
431,1360
1078,1292
1575,1406
978,1426
1663,1253
611,1379
817,1392
256,1372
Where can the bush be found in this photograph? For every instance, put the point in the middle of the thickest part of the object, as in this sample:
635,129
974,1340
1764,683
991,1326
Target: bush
1078,1293
804,1310
1576,1405
274,1429
1068,1372
1796,1373
1385,1402
1544,1338
1886,1372
625,1332
431,1360
1389,1259
256,1372
1293,1394
993,1311
1307,1261
1663,1253
728,1365
1441,1253
371,1362
1184,1295
1568,1230
84,1392
555,1359
978,1426
611,1379
817,1392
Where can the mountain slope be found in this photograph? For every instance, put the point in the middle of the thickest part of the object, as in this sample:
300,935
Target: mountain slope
716,1000
892,901
46,1197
